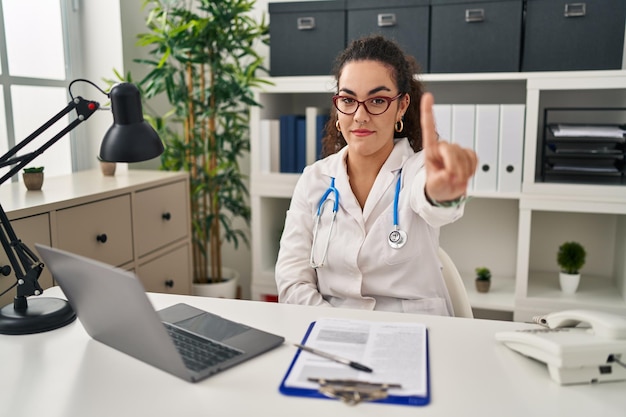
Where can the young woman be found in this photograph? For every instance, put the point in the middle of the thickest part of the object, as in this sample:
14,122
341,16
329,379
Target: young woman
362,230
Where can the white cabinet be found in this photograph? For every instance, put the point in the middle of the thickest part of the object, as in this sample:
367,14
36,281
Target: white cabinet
137,220
515,233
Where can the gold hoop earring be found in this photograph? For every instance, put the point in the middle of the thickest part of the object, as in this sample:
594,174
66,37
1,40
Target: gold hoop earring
337,126
399,126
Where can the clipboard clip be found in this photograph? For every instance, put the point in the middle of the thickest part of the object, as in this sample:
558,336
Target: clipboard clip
353,392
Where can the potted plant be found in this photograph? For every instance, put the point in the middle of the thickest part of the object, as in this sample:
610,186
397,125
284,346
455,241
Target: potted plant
571,258
107,168
203,56
483,279
33,178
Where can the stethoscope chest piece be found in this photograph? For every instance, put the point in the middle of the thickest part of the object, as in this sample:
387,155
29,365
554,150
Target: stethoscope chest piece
397,238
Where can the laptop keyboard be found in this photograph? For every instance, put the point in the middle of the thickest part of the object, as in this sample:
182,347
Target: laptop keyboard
199,353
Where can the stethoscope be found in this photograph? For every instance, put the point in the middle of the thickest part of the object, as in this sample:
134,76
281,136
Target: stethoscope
396,239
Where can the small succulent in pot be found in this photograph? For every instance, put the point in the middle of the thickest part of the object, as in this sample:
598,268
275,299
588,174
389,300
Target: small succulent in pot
33,169
33,178
483,279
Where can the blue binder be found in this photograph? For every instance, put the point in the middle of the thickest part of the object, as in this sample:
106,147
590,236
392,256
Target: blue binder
300,154
391,399
288,142
320,132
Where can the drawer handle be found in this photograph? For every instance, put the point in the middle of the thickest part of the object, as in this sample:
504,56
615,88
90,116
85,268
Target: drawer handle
474,15
575,10
169,283
306,23
166,216
509,168
102,238
485,168
386,19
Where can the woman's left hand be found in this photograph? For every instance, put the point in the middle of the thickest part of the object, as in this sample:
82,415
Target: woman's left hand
449,167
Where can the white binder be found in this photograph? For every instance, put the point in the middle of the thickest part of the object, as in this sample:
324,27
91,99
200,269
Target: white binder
463,125
511,147
443,120
269,144
486,140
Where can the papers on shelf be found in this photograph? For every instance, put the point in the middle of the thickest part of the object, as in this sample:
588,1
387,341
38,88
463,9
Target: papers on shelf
397,353
593,131
566,168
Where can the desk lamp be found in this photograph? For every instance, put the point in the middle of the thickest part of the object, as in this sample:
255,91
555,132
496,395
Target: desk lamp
130,139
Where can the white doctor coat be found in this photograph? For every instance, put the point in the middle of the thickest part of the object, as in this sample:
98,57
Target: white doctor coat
361,269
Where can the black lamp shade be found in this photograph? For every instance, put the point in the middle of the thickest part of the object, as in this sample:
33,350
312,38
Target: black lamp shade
131,138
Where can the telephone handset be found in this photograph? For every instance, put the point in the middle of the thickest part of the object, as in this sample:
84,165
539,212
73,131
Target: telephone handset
602,324
578,346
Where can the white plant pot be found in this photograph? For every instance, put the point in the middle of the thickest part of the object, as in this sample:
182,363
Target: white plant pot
569,282
227,288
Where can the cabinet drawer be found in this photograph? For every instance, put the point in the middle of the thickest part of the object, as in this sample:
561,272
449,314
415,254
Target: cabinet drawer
101,230
306,36
168,273
475,35
161,216
564,35
30,230
406,21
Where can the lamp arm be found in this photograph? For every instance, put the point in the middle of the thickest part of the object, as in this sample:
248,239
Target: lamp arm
84,109
26,266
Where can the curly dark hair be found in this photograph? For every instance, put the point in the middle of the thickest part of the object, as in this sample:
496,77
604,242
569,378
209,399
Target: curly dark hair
404,70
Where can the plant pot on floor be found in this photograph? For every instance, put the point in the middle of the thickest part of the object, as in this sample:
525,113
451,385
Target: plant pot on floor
569,282
227,288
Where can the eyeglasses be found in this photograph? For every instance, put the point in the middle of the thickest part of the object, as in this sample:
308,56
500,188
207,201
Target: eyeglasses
374,105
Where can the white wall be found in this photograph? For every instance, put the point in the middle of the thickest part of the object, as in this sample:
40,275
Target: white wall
101,52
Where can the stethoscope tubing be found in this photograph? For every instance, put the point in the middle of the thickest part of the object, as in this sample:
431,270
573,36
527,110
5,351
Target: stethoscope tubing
396,239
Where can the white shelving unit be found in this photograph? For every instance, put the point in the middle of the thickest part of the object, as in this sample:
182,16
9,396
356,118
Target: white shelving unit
515,234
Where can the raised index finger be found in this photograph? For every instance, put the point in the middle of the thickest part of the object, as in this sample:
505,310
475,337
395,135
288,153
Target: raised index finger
427,121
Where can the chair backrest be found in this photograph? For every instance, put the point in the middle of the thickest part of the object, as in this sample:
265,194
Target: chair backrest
456,288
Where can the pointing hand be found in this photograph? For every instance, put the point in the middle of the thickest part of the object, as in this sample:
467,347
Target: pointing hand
449,167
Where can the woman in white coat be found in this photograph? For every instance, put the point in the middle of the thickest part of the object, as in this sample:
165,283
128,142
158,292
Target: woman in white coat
389,184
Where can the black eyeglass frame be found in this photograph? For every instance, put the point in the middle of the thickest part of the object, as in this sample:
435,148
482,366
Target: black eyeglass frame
389,100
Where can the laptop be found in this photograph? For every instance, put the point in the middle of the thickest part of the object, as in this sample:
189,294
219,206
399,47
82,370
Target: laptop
114,309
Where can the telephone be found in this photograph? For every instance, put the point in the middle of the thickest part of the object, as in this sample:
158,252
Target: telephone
578,346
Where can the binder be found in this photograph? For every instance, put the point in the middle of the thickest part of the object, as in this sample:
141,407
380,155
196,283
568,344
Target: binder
486,140
269,145
443,120
320,132
510,156
463,125
288,131
301,145
316,119
462,131
393,397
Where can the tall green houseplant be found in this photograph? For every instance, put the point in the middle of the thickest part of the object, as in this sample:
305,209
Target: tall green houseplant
203,56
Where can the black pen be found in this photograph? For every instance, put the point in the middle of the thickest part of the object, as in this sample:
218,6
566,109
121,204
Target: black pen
335,358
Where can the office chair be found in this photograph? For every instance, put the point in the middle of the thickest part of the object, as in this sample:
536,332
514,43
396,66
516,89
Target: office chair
456,288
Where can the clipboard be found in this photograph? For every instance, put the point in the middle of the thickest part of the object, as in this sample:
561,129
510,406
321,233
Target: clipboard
409,400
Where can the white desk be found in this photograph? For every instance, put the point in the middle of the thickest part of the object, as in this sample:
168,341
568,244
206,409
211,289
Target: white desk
64,373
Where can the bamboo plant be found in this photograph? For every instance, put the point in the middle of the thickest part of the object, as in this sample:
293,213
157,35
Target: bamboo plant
203,56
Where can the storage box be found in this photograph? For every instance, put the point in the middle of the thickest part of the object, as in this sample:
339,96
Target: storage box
563,35
406,21
306,37
475,36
